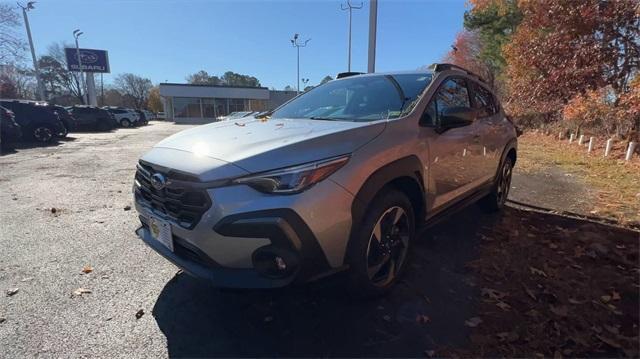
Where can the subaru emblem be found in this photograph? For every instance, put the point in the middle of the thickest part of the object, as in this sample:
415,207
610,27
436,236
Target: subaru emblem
158,181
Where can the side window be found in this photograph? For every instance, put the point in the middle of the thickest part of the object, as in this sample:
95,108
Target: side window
483,101
451,94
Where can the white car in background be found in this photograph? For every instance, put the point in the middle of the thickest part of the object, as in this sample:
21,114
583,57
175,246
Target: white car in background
124,116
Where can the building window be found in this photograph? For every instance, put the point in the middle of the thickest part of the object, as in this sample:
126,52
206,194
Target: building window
208,108
257,105
236,104
186,107
222,108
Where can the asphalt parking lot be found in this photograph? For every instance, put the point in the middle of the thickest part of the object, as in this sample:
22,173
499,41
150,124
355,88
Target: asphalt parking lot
67,207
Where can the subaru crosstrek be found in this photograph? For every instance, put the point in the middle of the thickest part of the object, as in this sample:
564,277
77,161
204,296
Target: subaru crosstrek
338,178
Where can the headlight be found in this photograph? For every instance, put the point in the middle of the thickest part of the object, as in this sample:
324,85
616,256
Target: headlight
293,179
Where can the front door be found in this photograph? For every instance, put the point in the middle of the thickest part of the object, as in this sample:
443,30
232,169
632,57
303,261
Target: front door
454,153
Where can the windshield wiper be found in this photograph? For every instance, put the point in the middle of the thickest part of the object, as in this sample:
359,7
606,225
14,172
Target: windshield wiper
327,118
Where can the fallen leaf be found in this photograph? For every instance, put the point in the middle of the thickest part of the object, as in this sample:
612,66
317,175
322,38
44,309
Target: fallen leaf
560,310
492,293
87,269
127,208
605,298
422,319
81,291
473,322
12,291
609,342
574,301
509,337
139,313
537,271
530,293
615,295
504,306
430,353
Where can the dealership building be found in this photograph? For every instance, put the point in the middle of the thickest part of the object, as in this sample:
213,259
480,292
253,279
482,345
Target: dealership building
187,103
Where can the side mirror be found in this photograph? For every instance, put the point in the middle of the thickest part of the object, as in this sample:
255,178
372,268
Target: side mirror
454,117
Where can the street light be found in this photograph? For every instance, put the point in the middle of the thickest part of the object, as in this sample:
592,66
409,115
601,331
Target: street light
350,8
304,83
298,45
26,8
83,89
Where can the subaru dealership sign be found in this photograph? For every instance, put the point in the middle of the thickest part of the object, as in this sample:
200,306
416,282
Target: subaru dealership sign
91,60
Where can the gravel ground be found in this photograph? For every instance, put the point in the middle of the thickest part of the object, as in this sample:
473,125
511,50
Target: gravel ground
64,208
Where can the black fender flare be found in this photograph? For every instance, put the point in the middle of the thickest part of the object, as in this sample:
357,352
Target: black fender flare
409,166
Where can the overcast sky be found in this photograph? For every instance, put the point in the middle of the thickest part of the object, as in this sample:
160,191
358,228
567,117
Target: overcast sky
165,40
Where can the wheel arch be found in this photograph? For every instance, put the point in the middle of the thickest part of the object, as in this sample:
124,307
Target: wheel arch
404,175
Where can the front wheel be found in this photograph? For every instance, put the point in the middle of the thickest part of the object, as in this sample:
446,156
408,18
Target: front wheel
495,200
43,133
125,122
379,249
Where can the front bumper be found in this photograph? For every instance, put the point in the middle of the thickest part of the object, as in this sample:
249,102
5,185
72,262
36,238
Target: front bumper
242,227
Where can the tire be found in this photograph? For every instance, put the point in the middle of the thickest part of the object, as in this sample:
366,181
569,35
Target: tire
495,200
65,132
125,122
379,248
43,133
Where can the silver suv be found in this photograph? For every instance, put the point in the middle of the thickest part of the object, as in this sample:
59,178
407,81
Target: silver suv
336,179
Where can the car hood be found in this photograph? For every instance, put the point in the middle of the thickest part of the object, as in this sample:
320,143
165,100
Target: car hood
257,145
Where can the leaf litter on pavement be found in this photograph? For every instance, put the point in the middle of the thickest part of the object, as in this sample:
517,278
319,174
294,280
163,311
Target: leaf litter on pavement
554,286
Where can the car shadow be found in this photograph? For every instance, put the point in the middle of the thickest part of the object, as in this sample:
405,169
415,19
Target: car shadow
15,147
426,310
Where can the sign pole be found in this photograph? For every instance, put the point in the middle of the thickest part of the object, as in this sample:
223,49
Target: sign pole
373,24
91,90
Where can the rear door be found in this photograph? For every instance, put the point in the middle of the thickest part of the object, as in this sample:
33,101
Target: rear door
489,121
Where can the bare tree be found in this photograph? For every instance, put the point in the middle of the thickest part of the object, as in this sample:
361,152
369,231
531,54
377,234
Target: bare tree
134,86
16,82
70,80
11,45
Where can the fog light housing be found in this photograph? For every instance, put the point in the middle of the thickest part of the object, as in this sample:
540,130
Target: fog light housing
273,262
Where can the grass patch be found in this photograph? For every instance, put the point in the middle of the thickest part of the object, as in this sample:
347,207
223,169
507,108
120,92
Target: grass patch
616,182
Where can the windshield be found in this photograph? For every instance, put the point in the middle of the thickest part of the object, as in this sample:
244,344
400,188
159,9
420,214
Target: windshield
360,98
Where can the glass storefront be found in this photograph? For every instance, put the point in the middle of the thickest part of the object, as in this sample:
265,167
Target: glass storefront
195,107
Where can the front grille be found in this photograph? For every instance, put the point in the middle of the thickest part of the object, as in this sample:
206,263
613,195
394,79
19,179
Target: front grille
180,200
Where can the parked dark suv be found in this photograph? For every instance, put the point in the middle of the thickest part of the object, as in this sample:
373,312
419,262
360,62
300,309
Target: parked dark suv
67,120
39,123
93,118
9,129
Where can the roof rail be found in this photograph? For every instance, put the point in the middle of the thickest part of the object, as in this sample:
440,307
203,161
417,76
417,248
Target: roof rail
435,67
347,74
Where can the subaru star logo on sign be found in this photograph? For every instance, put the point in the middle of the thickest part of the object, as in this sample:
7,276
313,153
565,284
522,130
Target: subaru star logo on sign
91,60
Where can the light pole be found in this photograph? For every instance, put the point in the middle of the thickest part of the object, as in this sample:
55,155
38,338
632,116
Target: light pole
26,8
373,24
83,89
298,45
350,8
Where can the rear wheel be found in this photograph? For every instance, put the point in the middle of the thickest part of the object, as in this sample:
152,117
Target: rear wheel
379,249
43,133
495,200
125,122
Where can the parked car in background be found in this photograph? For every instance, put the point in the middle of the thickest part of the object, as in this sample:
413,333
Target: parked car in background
124,116
38,123
93,118
149,115
143,120
10,131
161,116
66,118
378,155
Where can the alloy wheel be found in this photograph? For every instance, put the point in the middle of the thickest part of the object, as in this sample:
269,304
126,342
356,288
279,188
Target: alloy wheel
43,134
388,245
505,182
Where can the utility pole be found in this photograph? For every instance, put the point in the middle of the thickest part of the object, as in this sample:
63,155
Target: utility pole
373,24
83,90
298,45
350,8
26,8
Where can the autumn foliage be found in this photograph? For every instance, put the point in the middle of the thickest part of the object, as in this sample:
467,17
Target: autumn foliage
559,59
